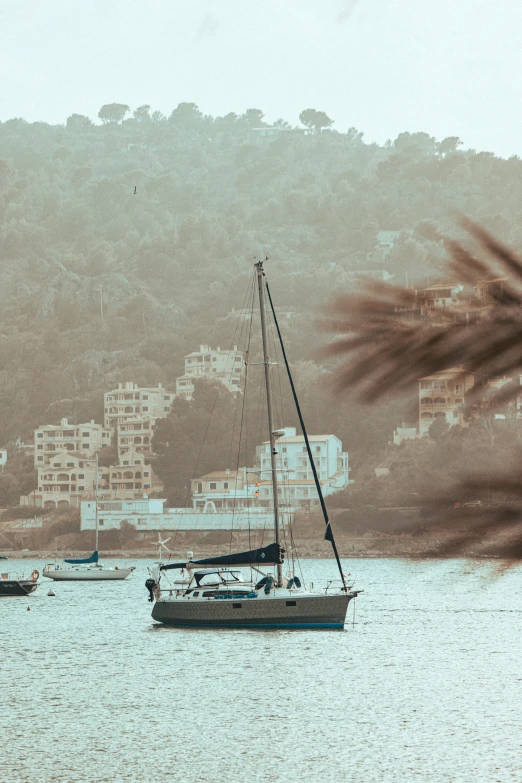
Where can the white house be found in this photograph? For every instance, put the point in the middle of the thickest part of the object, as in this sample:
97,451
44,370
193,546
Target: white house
84,439
227,366
252,487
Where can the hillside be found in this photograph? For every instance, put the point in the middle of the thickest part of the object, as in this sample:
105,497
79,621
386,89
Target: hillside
101,284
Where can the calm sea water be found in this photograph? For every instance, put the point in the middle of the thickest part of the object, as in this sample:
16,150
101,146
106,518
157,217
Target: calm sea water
425,686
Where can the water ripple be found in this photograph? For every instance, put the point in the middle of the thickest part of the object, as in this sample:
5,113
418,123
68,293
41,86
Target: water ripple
424,687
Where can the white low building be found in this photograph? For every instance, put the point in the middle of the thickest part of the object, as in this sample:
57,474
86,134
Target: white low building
149,514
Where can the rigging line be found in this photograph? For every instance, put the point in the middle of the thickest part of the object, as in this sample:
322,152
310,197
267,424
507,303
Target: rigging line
225,397
329,536
236,408
243,328
247,345
189,488
246,417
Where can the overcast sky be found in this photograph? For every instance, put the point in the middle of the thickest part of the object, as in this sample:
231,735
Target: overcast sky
450,68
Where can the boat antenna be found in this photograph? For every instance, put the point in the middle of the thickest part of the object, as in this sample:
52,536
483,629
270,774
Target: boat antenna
329,536
272,436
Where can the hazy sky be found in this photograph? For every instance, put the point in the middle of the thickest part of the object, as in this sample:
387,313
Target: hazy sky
450,67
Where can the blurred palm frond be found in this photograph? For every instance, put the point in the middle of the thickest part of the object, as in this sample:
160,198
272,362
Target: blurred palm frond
390,340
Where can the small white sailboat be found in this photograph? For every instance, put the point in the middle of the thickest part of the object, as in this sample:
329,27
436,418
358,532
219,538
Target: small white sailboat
87,569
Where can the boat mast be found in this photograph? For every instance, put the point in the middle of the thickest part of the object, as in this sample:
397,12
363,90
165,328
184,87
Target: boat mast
96,504
266,362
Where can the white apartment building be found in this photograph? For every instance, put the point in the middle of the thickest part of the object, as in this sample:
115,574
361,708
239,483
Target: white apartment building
132,413
70,477
86,439
252,488
65,480
222,365
149,514
131,402
441,396
131,478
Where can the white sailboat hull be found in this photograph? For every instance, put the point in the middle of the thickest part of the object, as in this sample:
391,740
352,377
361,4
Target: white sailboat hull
86,574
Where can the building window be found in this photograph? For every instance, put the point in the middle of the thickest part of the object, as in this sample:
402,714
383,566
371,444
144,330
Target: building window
145,408
101,521
39,434
145,397
213,485
81,475
426,385
225,485
80,489
40,459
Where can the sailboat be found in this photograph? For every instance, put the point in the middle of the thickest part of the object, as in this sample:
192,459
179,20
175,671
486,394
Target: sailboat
87,569
216,594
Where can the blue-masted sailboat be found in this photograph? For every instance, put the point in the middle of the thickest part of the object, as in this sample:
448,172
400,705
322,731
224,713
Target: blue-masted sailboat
216,594
86,569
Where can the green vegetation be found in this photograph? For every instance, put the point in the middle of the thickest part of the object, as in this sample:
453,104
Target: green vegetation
125,245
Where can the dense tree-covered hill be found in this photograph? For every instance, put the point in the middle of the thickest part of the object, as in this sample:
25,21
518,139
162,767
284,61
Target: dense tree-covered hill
124,245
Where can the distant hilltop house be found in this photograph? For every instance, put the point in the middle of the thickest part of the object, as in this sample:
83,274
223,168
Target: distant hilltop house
274,132
441,296
252,487
385,241
400,434
227,366
441,396
486,290
3,458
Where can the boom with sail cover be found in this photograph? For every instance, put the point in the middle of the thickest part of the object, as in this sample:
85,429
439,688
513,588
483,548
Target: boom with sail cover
83,561
273,554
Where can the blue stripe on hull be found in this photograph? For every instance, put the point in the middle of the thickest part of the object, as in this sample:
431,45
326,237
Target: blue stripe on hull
262,626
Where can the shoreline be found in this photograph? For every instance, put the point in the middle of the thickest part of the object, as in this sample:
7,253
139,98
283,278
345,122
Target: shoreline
51,555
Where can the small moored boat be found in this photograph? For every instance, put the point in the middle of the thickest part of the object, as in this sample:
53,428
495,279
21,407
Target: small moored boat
12,586
86,569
